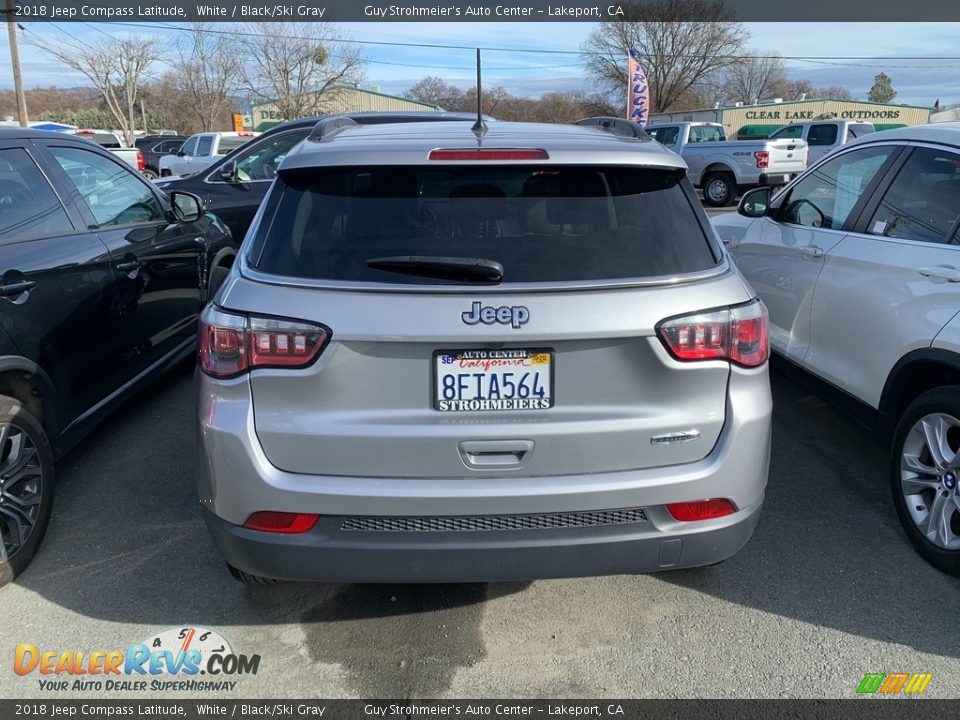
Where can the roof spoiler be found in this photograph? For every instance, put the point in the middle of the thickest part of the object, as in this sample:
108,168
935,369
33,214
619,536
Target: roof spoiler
330,126
616,126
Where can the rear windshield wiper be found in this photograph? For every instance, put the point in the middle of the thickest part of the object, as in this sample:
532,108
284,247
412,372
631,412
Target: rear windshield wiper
465,269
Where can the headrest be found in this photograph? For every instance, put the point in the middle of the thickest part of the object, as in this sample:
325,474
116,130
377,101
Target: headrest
479,201
387,183
577,211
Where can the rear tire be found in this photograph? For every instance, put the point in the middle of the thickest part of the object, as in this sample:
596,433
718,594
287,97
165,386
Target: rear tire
719,189
248,579
150,173
26,487
925,476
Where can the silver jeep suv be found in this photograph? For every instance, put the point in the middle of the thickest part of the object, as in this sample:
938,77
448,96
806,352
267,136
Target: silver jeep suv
449,354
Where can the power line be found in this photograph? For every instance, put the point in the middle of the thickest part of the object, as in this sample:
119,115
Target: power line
548,51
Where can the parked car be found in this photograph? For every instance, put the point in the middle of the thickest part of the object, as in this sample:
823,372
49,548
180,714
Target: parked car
233,187
102,279
723,168
112,142
822,136
155,147
456,356
859,264
202,150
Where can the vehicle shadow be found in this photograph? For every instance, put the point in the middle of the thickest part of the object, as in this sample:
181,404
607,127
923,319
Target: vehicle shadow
829,549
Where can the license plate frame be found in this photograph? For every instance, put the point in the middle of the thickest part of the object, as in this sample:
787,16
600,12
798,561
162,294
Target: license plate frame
512,404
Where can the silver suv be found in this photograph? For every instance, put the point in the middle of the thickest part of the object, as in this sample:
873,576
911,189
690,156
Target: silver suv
459,354
858,261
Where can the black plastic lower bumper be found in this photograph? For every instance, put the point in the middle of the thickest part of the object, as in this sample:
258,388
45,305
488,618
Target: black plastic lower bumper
328,553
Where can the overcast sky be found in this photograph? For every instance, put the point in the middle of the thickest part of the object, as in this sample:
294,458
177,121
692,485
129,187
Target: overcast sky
846,54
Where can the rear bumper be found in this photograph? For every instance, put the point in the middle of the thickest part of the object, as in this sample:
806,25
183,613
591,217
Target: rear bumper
330,553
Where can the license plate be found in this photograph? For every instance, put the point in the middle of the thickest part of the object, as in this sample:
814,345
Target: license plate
475,380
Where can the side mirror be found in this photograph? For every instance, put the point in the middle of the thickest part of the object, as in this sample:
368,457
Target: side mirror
229,171
181,153
755,203
187,207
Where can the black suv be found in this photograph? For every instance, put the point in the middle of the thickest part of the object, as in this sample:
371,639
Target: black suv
155,147
102,279
234,185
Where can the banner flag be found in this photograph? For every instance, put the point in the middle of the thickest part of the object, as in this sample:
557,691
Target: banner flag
638,95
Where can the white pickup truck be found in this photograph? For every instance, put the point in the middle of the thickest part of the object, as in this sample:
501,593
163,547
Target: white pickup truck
822,136
110,141
721,167
202,150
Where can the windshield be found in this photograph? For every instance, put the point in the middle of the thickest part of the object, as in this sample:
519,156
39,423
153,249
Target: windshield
541,224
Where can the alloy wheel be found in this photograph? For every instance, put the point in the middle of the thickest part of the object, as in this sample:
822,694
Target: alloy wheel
21,488
930,478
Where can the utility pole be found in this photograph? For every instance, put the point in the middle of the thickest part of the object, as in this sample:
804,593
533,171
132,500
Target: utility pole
15,63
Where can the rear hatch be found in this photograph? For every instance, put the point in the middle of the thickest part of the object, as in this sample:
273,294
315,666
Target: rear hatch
500,319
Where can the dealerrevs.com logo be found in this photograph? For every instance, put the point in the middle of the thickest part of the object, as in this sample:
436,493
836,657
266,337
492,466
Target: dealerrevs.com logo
178,659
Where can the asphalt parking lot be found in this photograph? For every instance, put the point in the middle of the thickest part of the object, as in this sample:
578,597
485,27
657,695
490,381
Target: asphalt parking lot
827,590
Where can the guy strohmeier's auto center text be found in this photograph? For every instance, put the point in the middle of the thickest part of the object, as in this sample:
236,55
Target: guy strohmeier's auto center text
292,10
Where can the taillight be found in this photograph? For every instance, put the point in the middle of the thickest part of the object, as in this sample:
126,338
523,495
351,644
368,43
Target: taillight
737,334
701,509
231,345
488,154
281,522
763,158
140,163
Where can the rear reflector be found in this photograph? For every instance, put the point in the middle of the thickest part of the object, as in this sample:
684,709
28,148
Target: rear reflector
231,345
737,334
488,154
701,509
281,522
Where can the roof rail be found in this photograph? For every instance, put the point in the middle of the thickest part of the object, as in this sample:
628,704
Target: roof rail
330,126
616,126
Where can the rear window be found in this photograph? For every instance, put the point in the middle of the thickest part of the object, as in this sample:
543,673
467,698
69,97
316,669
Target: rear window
231,143
104,140
542,224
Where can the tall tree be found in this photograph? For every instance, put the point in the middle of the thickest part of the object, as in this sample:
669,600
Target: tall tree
754,77
116,66
294,65
882,90
205,72
678,44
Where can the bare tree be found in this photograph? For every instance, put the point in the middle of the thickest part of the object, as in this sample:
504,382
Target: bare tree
834,92
206,73
117,67
754,77
493,98
804,89
295,64
678,44
437,91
